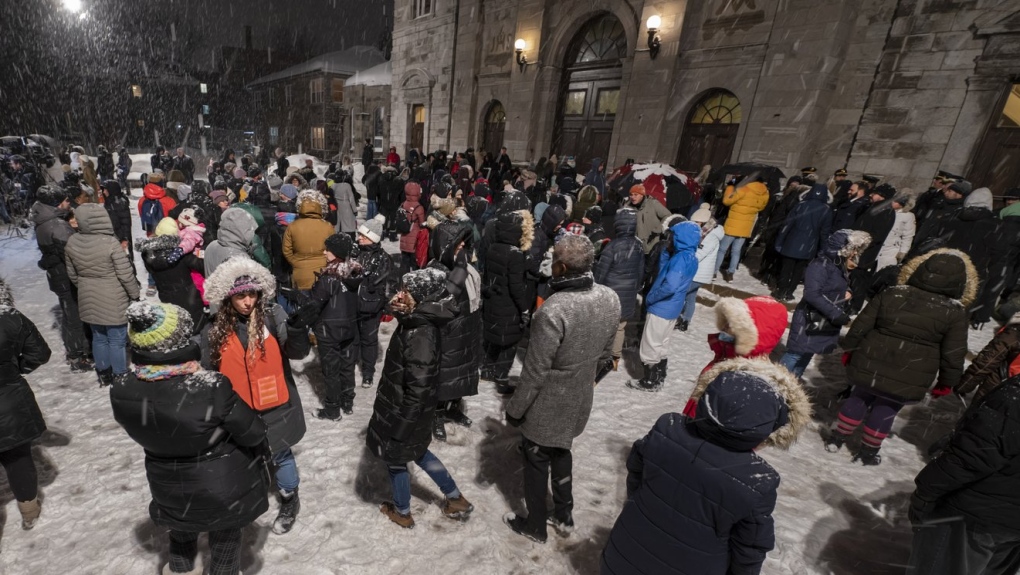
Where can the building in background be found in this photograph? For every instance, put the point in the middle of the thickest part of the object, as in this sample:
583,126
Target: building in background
899,88
368,99
304,107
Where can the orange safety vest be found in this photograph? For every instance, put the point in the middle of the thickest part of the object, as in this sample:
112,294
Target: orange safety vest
259,382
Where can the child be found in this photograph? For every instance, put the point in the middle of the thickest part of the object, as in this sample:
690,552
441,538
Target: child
191,234
401,426
377,287
708,249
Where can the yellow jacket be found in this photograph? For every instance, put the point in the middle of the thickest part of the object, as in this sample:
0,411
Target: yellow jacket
744,203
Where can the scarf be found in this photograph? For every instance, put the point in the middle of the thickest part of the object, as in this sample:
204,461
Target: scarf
161,372
572,282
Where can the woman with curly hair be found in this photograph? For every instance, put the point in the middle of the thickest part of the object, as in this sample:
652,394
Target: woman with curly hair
250,342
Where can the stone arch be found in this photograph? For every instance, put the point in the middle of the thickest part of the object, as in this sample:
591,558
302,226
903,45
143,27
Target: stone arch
555,49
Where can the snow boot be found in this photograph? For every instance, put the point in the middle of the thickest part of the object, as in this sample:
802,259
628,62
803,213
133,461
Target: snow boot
727,276
347,405
329,411
366,380
650,382
486,374
868,455
457,508
390,511
519,526
835,442
681,325
198,569
81,365
455,414
563,528
438,429
289,507
30,511
105,377
660,372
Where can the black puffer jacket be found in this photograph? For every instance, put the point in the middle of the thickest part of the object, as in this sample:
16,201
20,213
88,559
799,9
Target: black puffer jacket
51,234
335,293
910,333
200,442
22,350
505,290
552,219
977,475
878,220
976,232
119,208
458,338
400,429
171,270
621,265
378,282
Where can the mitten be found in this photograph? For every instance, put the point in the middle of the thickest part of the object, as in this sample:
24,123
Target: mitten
846,358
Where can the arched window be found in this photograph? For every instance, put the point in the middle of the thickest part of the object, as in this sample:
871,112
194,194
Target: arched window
603,39
495,124
718,107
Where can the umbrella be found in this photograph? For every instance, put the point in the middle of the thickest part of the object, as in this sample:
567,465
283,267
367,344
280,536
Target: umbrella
658,179
770,174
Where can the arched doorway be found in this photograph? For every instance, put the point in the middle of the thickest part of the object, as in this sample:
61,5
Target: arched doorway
997,161
590,92
495,123
710,132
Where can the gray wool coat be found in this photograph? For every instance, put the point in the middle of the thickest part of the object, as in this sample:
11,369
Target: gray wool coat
98,265
346,208
570,333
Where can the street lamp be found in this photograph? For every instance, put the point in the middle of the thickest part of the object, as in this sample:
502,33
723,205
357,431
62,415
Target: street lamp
653,25
522,60
72,5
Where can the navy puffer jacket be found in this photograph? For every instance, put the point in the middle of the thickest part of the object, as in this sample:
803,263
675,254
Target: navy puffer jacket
806,227
621,265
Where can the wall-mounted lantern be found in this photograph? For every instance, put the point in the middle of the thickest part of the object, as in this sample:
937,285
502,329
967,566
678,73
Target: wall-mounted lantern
653,25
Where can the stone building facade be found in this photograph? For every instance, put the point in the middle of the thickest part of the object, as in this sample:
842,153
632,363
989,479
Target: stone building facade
899,88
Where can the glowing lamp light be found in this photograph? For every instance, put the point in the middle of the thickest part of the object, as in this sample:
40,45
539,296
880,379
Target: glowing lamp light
73,5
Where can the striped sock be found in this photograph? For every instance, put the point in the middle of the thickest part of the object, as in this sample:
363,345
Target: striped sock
873,438
845,425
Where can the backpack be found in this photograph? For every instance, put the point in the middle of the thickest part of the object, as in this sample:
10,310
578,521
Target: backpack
152,213
403,221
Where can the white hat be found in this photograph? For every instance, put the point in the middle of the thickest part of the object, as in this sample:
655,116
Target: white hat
703,214
372,229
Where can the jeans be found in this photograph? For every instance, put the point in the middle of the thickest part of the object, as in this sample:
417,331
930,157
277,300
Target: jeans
109,347
796,362
690,303
400,480
373,209
286,471
538,461
224,547
947,545
727,242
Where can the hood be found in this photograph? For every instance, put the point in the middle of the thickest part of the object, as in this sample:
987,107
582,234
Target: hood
588,195
756,323
113,188
553,217
625,224
842,243
153,192
817,193
515,228
42,213
302,182
157,243
220,282
314,196
237,228
476,207
979,198
6,297
254,212
444,239
513,201
310,209
93,219
686,236
744,403
944,272
412,191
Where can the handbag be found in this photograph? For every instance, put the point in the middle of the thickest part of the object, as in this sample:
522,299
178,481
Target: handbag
818,324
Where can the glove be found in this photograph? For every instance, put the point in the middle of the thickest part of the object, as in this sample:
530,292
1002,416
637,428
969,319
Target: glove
840,321
525,319
919,510
941,390
513,421
386,318
846,358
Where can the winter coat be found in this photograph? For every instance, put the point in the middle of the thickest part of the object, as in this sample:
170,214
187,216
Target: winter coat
898,241
825,284
807,226
995,363
400,429
458,338
976,232
379,279
911,333
414,212
570,334
929,230
552,220
708,253
22,350
171,270
976,475
777,218
699,496
845,215
304,242
335,293
99,267
650,214
586,198
201,443
676,271
235,237
346,208
154,192
505,288
744,203
118,207
877,221
621,265
51,234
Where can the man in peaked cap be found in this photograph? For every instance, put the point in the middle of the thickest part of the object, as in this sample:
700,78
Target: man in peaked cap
808,170
839,186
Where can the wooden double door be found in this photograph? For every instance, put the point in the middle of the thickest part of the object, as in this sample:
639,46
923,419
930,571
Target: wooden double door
587,112
706,144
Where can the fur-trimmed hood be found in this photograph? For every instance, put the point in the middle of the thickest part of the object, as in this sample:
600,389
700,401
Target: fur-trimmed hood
515,228
157,243
783,382
313,196
937,272
756,323
219,284
6,296
302,182
844,243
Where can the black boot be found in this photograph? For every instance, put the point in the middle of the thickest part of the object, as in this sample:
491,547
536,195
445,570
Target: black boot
868,455
81,365
347,405
289,507
650,381
366,380
438,428
486,374
455,414
120,378
681,325
105,377
835,442
329,411
660,372
503,387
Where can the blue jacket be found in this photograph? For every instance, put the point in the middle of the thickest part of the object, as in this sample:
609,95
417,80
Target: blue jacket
621,265
825,285
676,270
699,500
807,226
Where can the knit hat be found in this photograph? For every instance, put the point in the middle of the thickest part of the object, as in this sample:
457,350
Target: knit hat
217,195
189,217
593,215
637,189
373,228
158,327
50,195
254,171
575,228
703,214
289,191
340,245
887,191
239,173
167,227
274,181
424,284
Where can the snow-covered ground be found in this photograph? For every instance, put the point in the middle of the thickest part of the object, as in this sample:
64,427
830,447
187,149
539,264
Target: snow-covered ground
833,516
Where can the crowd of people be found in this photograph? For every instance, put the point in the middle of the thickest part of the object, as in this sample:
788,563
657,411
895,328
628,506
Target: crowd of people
262,261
